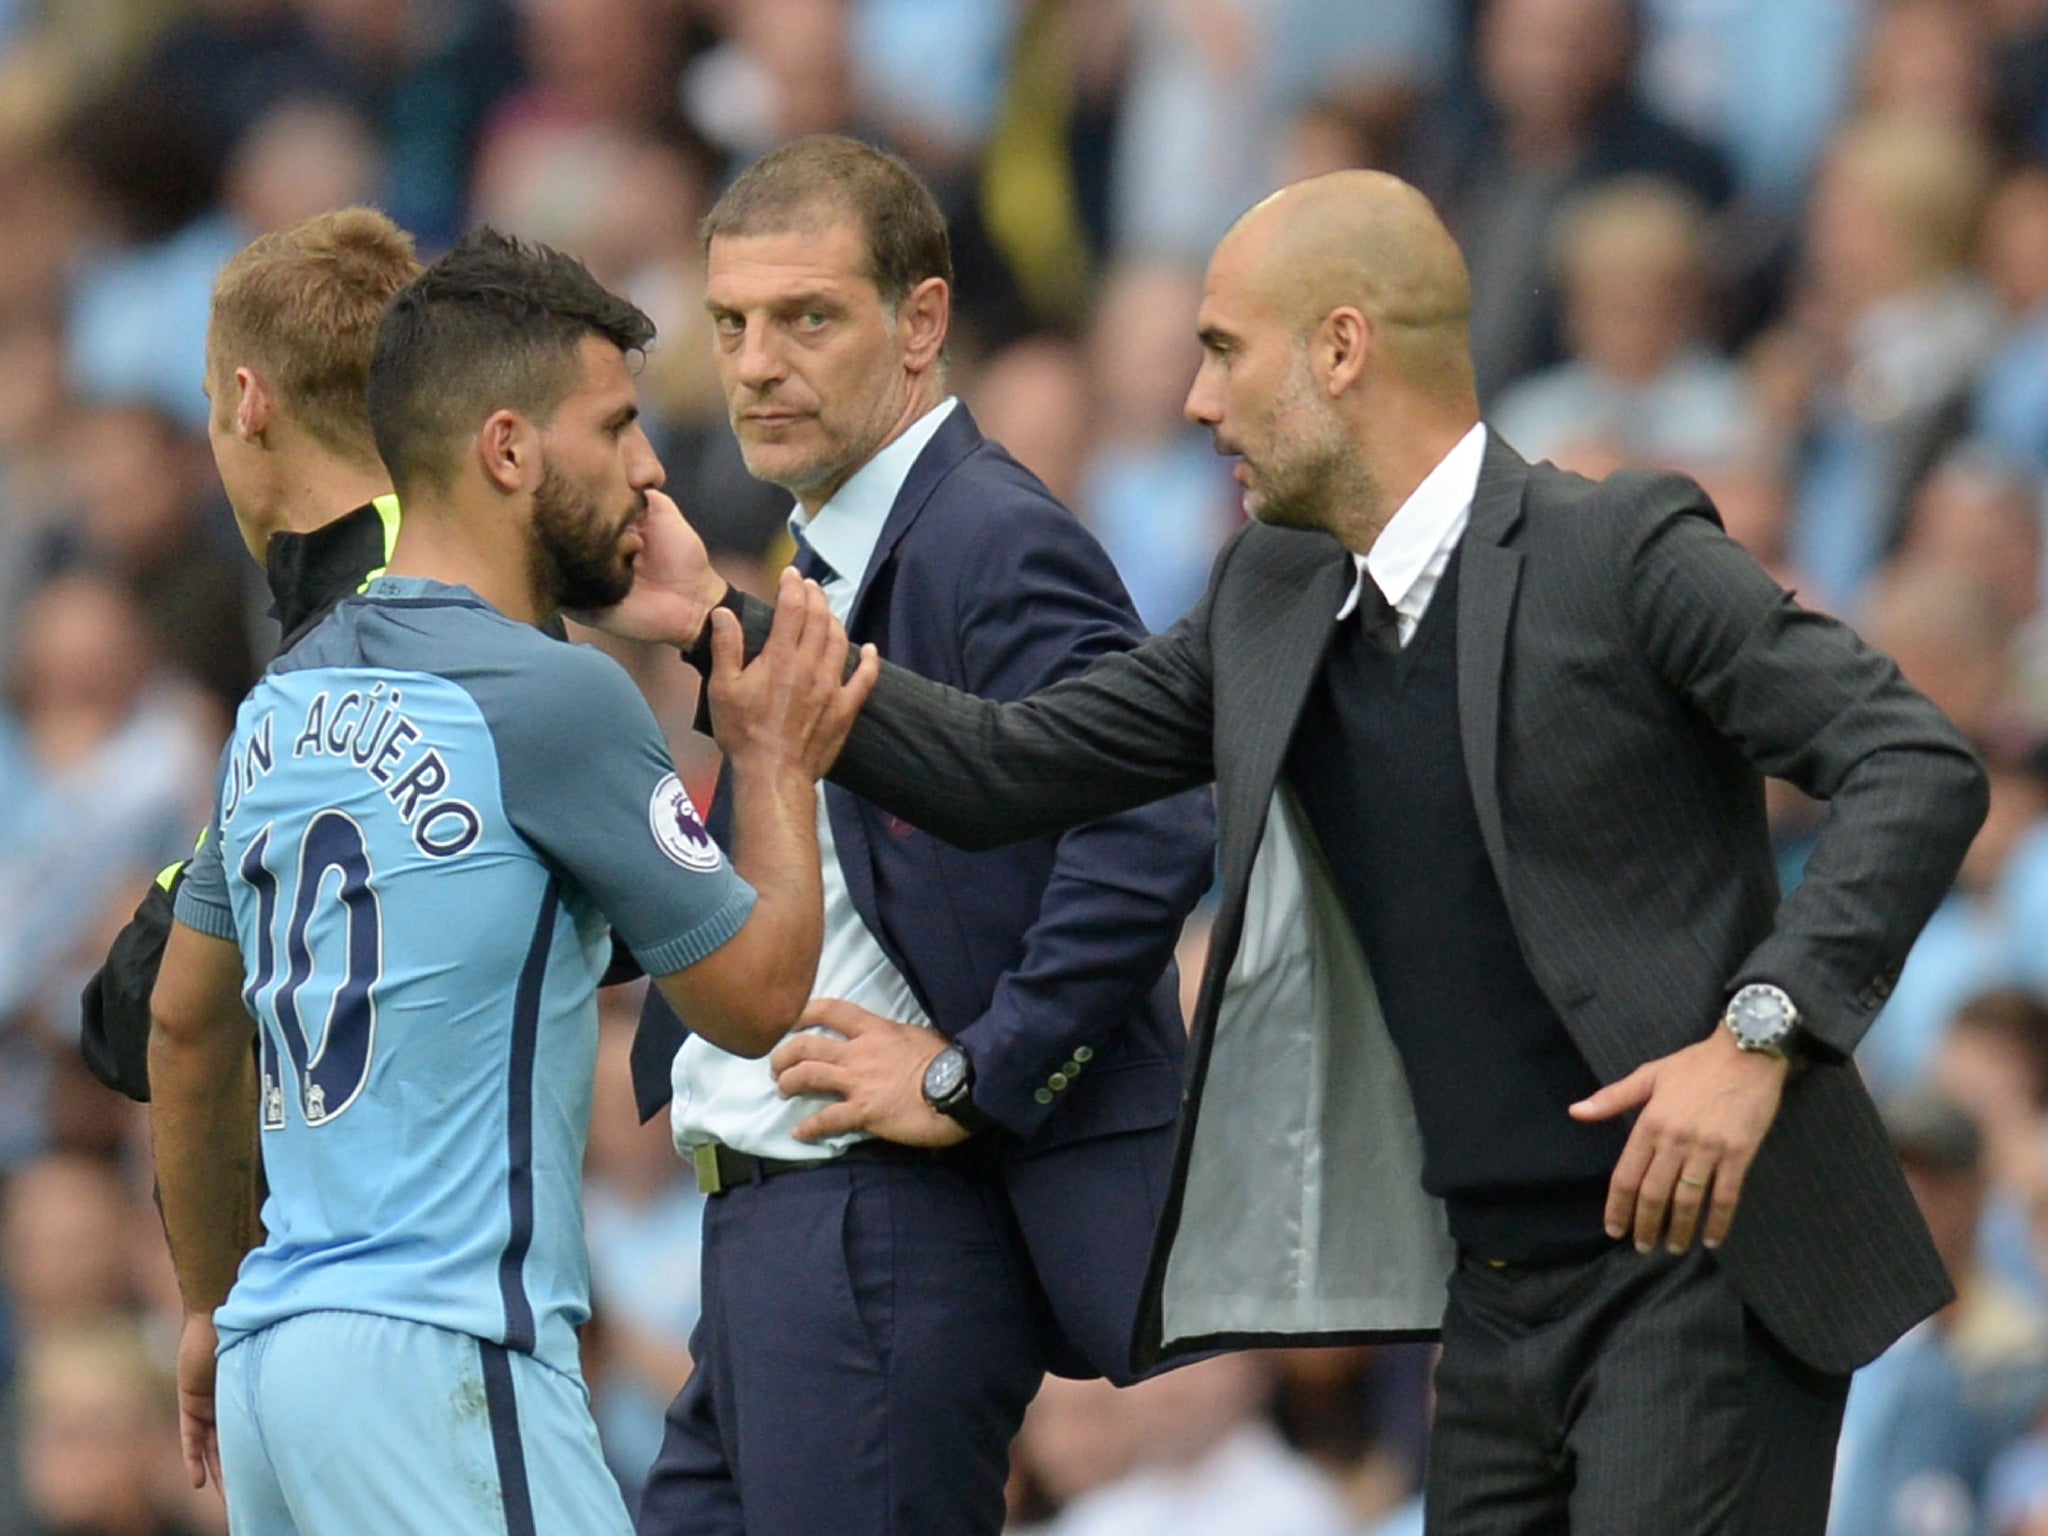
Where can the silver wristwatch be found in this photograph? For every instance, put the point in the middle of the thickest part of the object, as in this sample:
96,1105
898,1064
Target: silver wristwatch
1762,1018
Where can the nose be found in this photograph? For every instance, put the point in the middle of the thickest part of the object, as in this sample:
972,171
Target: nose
644,469
757,360
1203,405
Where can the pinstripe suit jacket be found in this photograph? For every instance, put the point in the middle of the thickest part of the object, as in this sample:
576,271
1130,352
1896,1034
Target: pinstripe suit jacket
1626,676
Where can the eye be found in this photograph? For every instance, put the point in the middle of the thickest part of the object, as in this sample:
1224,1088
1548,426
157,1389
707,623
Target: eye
813,320
728,325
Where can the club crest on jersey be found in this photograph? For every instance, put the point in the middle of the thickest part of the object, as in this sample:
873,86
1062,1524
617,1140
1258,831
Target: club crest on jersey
673,820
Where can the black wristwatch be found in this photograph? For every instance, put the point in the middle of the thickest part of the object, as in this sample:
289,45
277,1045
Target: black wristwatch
949,1088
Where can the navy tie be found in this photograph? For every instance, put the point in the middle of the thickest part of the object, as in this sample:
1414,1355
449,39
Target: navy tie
809,563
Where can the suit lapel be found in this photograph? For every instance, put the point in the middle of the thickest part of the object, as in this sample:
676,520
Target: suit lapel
1278,626
956,438
1488,574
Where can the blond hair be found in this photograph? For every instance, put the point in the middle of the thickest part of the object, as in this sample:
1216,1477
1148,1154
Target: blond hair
302,305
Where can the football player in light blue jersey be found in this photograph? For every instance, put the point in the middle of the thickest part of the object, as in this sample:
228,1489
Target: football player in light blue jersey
432,817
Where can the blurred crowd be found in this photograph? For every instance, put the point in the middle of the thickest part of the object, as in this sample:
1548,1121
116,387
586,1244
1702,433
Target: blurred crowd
1797,249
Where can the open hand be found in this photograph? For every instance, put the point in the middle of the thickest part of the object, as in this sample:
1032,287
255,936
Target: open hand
1705,1112
196,1428
674,586
793,704
876,1072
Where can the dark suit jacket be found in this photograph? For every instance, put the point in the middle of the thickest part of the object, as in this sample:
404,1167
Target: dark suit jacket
1626,675
983,581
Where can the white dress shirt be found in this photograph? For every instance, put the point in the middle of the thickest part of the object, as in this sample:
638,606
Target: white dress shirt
1412,552
728,1098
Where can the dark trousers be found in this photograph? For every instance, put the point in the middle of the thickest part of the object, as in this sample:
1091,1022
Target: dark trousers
1622,1396
868,1344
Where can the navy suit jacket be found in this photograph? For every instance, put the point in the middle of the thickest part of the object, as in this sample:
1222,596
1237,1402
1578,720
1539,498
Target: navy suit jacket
1023,954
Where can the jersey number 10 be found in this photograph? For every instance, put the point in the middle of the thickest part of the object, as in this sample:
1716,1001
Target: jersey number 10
328,1067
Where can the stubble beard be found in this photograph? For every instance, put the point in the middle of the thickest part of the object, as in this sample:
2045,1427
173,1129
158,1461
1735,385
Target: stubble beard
1316,479
573,560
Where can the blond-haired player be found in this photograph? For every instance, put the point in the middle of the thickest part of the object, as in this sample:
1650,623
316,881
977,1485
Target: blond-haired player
294,321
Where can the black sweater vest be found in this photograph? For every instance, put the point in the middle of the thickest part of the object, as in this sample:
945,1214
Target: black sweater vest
1379,767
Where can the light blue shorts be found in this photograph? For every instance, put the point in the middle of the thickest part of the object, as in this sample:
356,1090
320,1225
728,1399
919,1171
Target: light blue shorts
343,1424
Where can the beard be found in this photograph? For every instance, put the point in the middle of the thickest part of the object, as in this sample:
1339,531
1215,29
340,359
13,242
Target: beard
574,560
1311,477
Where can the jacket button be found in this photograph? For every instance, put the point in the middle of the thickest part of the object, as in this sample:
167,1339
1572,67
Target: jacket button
1057,1081
1084,1054
1044,1095
1072,1069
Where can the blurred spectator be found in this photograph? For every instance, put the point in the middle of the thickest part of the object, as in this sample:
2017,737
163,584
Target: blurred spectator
2022,68
1206,1462
426,76
1929,61
1038,223
65,1258
1992,1063
781,72
33,404
2011,406
305,156
1765,79
103,767
643,1221
1555,113
1213,84
929,74
2016,1491
139,302
1975,514
1361,1414
1945,631
1869,383
227,63
1643,381
1076,1439
136,488
1152,488
1034,398
96,1459
1926,1418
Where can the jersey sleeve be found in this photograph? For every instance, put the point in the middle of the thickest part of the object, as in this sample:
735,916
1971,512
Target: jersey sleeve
202,896
587,779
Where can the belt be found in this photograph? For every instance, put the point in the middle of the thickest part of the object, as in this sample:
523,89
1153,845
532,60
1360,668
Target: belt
720,1168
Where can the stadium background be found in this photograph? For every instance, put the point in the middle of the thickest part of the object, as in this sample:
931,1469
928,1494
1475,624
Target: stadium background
1798,248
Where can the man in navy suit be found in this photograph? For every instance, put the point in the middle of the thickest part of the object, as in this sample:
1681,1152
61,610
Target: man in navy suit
946,1185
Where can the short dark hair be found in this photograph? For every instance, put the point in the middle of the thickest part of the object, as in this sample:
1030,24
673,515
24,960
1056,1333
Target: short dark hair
492,325
828,173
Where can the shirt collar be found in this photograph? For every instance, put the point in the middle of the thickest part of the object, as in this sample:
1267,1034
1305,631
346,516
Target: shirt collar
310,572
846,529
1433,516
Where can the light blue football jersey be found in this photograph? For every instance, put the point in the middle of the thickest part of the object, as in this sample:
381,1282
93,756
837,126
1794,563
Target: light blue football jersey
431,818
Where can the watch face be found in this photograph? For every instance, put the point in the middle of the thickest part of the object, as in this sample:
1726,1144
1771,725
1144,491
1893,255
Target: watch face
942,1079
1760,1016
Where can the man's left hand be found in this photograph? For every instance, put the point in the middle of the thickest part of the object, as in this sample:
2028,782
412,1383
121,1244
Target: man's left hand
876,1072
1705,1112
674,586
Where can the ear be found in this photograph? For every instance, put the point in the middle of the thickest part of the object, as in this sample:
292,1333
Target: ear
255,406
921,322
1342,349
508,452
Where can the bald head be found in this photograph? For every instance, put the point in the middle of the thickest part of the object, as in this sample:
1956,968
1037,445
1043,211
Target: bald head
1368,241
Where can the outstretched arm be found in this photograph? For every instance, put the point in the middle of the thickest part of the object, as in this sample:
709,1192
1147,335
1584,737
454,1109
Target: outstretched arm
1132,728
